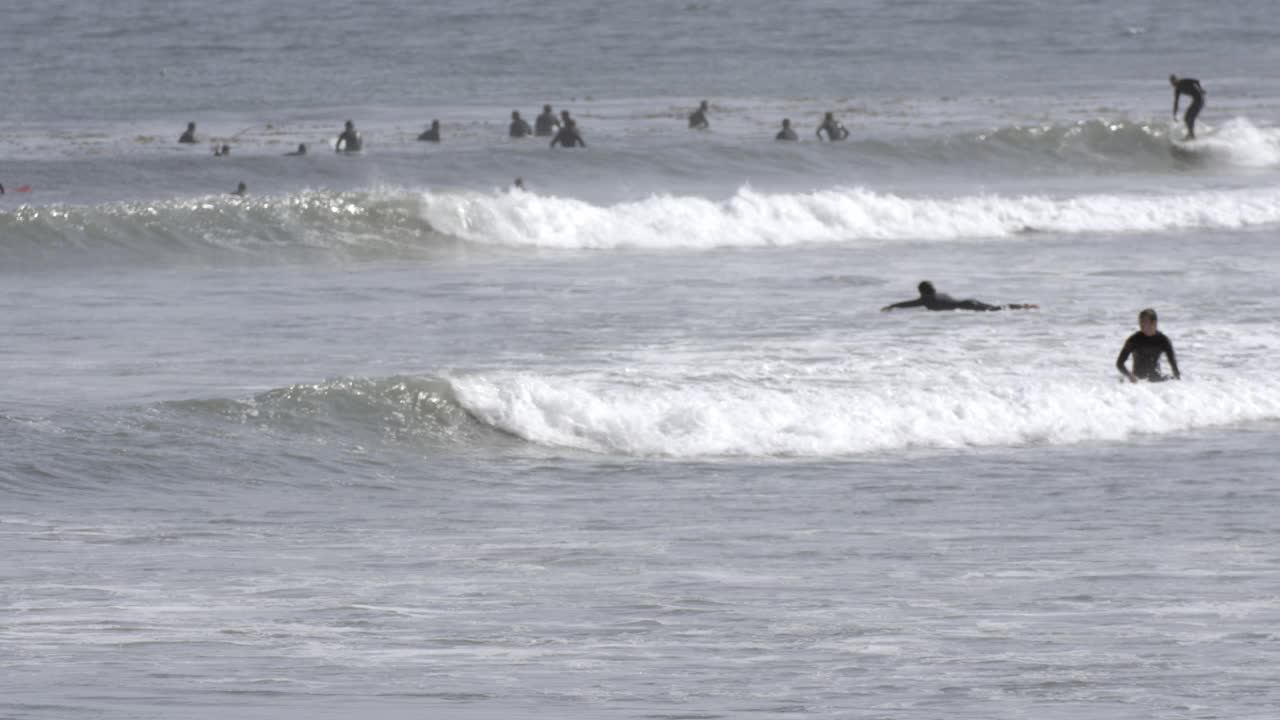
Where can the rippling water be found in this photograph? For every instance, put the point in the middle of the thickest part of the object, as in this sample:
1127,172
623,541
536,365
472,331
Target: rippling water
389,437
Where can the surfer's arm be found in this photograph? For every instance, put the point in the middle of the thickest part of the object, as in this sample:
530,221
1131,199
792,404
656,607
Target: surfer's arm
1177,94
1173,361
1124,355
918,302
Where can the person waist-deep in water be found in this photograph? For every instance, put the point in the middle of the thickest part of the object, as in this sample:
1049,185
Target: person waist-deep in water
518,128
348,140
1191,88
786,133
1146,346
832,127
547,123
188,137
698,118
931,299
568,135
431,134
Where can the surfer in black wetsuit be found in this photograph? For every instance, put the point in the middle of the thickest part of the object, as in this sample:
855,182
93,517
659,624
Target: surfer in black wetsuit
189,137
835,131
1191,88
934,300
786,133
1146,346
431,134
302,150
698,118
543,124
241,190
519,128
349,140
568,135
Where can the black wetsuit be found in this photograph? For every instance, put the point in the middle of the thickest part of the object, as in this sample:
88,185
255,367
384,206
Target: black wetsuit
188,137
568,137
835,131
348,141
544,124
943,301
786,134
431,134
698,120
1191,88
519,128
1146,350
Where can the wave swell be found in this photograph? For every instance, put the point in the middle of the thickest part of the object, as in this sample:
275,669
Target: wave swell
329,227
742,419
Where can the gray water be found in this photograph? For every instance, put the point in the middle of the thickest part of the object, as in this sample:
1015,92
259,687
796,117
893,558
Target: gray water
389,438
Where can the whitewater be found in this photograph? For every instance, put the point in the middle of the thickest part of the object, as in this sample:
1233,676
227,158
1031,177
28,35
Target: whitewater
390,437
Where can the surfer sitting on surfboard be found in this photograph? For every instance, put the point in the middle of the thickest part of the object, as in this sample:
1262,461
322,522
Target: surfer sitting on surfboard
934,300
1191,88
1146,346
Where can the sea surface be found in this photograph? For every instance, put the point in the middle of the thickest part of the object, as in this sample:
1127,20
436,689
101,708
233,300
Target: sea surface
389,438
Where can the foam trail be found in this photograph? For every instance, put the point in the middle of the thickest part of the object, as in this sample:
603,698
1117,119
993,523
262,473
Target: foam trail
741,419
752,218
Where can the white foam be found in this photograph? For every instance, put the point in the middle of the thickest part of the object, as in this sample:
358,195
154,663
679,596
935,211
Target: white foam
1239,142
752,218
821,419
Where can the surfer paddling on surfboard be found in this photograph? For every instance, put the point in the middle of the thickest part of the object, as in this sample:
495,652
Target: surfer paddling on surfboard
933,300
1191,88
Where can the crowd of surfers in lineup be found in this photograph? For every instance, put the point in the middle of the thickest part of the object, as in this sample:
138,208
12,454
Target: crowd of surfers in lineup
1146,345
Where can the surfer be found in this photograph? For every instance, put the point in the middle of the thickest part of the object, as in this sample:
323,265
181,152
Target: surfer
835,131
302,150
786,133
348,140
543,124
1191,88
568,135
698,118
241,190
934,300
518,184
519,128
189,137
1146,346
431,134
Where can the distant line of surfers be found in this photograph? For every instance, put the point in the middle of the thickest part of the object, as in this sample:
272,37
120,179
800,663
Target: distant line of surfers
562,129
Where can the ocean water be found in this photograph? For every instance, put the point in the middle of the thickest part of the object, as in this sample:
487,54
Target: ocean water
389,438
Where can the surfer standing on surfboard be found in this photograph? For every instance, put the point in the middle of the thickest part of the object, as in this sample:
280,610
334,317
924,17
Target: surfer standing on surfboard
1191,88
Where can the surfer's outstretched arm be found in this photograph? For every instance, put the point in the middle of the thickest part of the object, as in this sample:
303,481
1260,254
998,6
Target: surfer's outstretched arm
918,302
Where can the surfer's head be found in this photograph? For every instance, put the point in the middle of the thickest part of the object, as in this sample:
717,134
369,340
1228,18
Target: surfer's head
926,289
349,125
1173,79
786,122
546,108
191,126
1147,321
515,114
